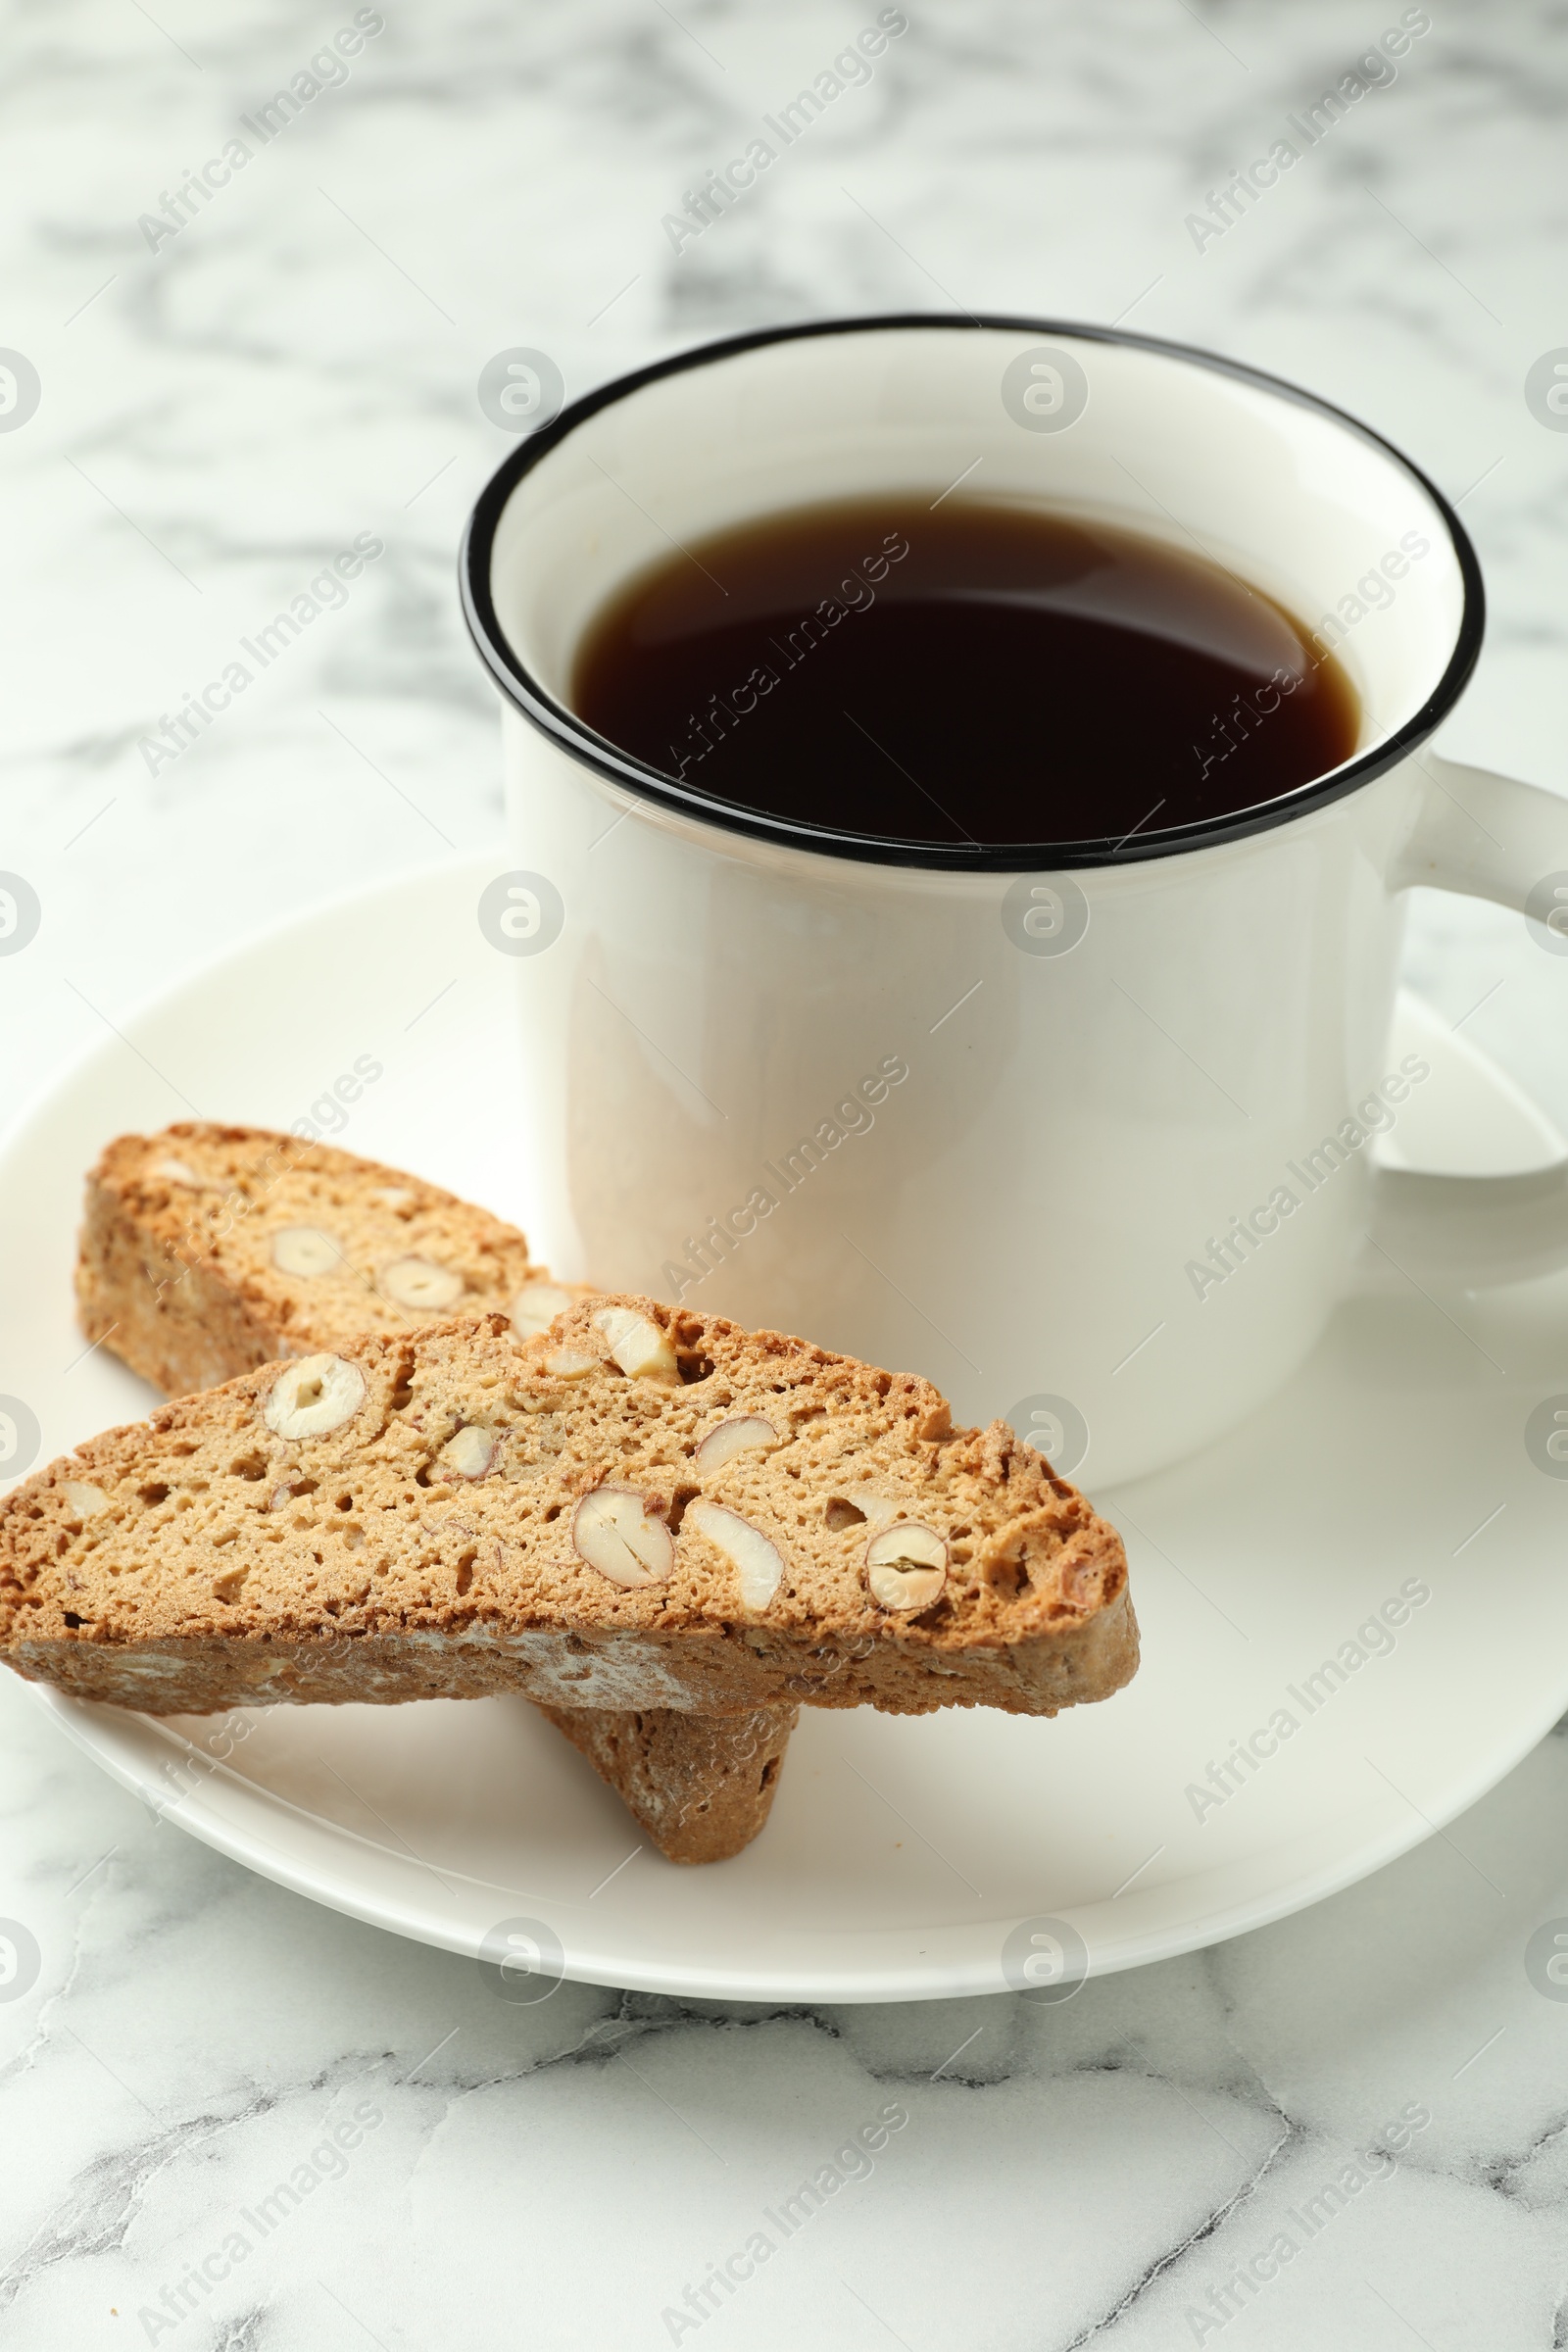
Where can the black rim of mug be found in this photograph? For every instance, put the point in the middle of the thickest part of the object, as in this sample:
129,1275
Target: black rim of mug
553,720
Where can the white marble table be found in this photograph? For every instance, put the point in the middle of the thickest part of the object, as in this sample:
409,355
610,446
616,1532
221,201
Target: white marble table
223,406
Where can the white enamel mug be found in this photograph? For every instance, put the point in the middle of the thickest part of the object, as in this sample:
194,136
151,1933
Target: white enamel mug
1083,1132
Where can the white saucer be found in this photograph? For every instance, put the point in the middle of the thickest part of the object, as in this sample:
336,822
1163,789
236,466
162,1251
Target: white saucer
900,1852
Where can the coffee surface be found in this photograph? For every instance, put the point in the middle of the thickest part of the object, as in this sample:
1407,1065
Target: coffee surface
976,673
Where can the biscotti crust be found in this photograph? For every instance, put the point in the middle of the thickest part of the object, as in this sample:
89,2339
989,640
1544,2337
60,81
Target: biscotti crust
224,1559
177,1271
700,1786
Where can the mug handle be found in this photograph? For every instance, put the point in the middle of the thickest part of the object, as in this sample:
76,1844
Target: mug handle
1483,836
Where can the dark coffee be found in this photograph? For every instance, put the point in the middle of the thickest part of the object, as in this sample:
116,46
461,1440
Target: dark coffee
975,673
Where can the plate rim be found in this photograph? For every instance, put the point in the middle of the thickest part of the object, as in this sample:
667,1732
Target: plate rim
87,1723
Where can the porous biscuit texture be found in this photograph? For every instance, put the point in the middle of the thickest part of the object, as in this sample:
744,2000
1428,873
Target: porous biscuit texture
642,1508
209,1249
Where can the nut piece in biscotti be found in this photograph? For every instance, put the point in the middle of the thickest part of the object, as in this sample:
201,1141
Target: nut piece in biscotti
700,1786
208,1250
640,1508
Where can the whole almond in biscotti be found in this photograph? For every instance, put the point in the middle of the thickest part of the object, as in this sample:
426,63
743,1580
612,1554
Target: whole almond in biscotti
580,1518
207,1250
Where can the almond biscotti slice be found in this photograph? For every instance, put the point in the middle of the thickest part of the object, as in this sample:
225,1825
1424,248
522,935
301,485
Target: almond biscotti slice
640,1508
207,1250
